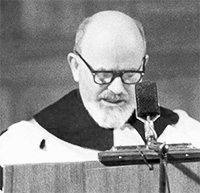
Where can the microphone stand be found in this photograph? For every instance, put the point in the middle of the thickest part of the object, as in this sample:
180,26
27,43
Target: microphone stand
160,148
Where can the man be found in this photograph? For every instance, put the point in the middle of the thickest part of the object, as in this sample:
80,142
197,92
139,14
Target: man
109,58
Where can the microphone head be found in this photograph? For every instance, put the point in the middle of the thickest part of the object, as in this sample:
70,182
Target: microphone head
147,100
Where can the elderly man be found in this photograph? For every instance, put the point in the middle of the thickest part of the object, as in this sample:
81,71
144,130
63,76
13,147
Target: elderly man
109,58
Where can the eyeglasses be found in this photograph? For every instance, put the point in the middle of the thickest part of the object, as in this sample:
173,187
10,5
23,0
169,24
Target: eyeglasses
102,77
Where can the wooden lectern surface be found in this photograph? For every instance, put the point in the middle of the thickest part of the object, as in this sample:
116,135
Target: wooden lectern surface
93,177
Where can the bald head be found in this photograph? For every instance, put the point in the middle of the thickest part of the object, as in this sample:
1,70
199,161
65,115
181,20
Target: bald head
111,28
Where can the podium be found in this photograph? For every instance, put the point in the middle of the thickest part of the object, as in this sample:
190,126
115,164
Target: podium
94,177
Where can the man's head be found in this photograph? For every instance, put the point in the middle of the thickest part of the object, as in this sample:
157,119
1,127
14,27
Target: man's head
108,41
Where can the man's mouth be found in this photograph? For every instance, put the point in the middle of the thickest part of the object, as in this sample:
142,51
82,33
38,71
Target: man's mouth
110,99
113,102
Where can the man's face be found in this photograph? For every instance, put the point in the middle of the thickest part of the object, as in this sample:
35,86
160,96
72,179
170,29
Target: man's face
109,45
110,105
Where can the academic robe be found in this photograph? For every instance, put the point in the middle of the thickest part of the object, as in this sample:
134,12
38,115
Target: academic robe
64,131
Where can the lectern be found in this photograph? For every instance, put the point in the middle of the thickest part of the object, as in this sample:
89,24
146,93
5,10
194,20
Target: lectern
100,177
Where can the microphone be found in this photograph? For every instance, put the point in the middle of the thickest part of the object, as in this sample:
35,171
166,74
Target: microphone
147,108
147,100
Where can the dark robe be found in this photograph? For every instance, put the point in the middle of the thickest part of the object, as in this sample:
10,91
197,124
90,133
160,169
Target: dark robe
68,120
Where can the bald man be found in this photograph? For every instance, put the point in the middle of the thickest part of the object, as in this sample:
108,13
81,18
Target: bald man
109,58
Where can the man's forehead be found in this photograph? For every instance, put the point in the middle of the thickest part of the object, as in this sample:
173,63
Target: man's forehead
114,52
113,63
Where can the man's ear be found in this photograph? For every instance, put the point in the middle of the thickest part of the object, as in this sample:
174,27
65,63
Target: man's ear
74,66
146,59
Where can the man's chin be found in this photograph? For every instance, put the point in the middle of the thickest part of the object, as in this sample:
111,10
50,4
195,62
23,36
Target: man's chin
110,115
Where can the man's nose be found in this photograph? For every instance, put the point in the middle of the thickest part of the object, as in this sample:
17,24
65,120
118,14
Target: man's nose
116,86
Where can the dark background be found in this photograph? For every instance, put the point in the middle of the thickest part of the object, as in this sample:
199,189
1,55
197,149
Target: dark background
37,35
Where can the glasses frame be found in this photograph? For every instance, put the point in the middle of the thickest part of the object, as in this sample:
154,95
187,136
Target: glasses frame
117,73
